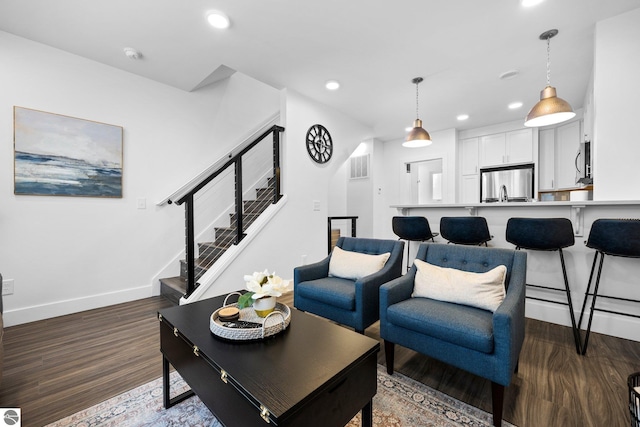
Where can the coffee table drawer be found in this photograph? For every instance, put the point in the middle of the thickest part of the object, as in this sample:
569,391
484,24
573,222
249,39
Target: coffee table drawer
223,399
341,400
332,405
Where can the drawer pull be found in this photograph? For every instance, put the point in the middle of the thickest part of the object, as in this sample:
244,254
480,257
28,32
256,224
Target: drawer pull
223,376
196,351
175,331
264,413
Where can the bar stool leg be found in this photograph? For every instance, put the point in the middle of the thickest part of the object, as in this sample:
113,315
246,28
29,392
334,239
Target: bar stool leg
586,295
574,327
593,303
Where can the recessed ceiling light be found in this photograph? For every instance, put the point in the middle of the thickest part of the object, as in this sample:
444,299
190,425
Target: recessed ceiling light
408,129
515,105
332,85
462,117
529,3
218,19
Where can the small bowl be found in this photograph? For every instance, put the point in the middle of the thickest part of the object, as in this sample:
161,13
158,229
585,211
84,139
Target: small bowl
229,314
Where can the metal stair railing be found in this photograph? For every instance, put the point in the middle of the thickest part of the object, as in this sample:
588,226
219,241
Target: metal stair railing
188,197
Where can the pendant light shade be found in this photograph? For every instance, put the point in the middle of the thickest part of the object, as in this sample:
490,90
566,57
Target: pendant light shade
550,110
417,137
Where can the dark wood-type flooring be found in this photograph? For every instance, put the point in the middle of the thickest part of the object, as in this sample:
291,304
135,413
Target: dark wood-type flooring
55,367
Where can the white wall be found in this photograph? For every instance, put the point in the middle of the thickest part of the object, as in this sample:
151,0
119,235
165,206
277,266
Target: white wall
393,160
69,254
298,233
616,88
360,193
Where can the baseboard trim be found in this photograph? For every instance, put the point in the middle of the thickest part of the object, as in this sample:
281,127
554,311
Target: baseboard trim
61,308
603,323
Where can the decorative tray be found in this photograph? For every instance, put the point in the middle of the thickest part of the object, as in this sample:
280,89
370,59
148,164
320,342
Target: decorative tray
277,321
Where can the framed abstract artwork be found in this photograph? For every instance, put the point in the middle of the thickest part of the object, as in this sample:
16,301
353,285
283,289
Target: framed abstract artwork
58,155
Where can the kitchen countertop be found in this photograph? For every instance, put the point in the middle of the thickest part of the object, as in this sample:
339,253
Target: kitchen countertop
584,203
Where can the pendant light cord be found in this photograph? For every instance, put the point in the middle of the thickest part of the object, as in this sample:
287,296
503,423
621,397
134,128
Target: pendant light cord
417,115
548,61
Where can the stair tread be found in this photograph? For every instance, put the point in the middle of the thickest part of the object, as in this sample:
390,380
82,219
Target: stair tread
211,251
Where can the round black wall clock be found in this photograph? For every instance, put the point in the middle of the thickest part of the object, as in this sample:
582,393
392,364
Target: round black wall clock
319,144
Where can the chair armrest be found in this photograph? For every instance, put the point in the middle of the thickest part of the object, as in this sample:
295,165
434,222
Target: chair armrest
396,290
509,319
314,271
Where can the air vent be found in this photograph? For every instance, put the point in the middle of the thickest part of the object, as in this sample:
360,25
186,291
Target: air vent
360,167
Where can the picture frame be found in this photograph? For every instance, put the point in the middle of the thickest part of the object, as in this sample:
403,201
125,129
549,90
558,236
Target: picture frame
57,155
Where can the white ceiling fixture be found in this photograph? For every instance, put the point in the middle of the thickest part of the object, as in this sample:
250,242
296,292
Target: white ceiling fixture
507,75
132,53
418,137
332,85
218,19
462,117
550,110
515,105
530,3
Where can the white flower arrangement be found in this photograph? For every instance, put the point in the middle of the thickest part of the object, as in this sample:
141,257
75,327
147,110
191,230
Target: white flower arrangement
263,284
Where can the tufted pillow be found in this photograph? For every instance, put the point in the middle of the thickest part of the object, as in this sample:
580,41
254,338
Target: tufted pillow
482,290
355,265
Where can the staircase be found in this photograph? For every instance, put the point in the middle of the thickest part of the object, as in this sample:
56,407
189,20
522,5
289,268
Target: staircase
173,288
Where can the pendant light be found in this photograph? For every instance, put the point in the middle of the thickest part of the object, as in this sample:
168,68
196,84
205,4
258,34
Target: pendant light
550,110
418,137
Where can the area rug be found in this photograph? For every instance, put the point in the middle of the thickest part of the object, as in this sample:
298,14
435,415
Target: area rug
400,402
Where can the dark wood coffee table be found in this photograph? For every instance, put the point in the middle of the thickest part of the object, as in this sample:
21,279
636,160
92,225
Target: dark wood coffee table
315,373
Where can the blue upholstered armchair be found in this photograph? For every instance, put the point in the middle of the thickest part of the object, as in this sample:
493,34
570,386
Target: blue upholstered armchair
354,303
479,341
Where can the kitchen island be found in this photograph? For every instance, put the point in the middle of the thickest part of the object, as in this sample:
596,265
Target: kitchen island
620,276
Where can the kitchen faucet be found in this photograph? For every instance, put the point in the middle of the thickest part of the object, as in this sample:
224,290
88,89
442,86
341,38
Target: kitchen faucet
503,194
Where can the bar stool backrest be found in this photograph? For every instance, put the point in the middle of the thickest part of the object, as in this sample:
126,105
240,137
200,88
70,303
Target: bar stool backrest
465,230
414,228
545,234
618,237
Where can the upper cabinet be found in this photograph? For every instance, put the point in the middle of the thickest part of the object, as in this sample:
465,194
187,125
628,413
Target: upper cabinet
507,148
559,161
469,178
567,153
546,159
469,156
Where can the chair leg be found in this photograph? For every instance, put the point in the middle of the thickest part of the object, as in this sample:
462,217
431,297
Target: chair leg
389,348
574,327
497,396
593,304
586,294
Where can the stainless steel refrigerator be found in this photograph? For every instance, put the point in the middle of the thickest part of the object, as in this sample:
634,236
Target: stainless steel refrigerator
507,184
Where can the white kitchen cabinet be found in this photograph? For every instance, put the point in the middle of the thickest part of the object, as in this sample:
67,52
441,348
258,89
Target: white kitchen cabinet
469,156
507,148
519,146
558,148
470,189
469,170
492,149
567,148
546,159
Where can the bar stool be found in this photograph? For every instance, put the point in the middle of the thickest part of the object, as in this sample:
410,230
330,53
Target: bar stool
412,229
465,230
546,234
615,237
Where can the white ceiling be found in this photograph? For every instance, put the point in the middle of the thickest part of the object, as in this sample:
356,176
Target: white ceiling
373,47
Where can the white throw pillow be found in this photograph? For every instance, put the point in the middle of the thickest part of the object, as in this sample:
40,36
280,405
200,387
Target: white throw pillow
482,290
355,265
